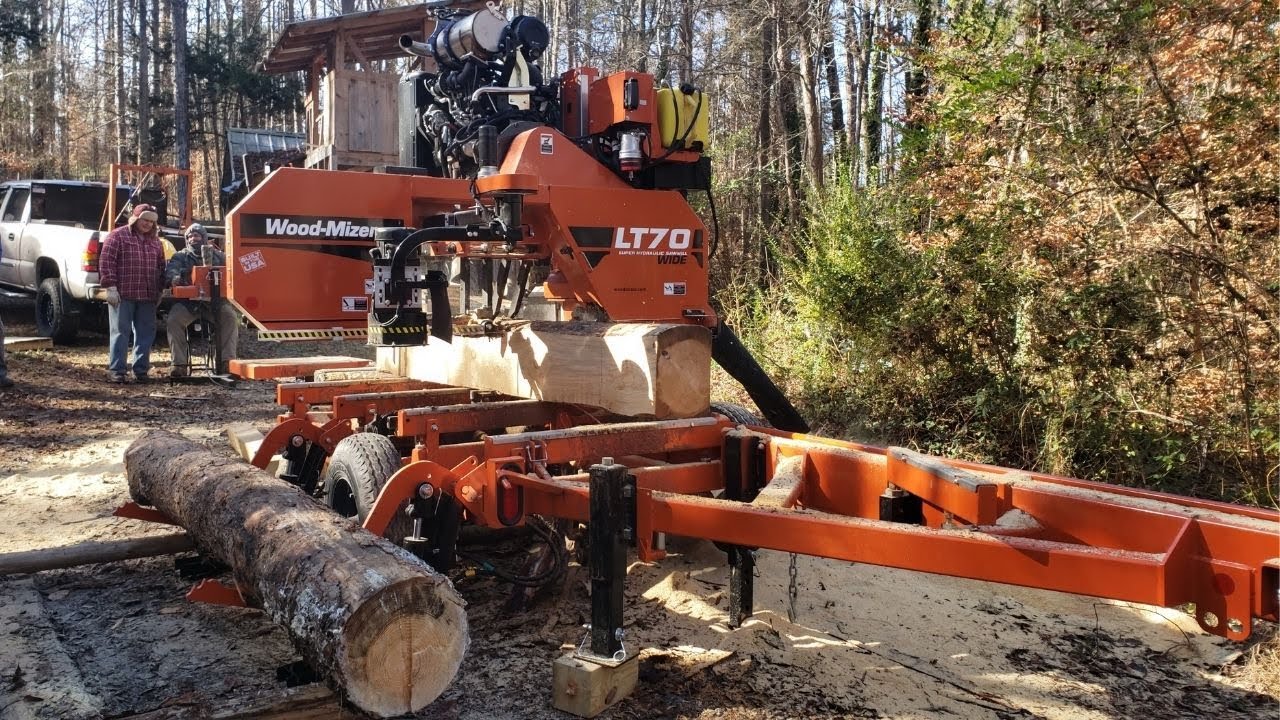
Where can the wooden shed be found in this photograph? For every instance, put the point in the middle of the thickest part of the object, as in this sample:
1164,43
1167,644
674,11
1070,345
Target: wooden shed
351,113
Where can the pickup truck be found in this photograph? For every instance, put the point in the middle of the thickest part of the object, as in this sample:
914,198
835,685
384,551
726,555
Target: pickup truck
50,240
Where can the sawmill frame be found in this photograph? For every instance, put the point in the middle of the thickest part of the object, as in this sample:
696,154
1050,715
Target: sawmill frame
755,487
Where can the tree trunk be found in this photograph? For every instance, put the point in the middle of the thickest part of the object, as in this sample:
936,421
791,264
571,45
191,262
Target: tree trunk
870,17
768,197
850,90
374,620
686,41
832,74
875,118
812,147
121,107
144,87
917,79
788,119
181,128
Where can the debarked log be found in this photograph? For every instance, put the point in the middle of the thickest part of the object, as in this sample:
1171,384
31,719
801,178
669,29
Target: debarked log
93,551
383,628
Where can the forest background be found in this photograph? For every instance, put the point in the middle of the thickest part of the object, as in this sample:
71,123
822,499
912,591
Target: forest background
1040,233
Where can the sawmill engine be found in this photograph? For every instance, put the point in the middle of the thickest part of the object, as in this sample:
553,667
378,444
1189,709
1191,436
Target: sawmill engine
479,87
480,70
480,84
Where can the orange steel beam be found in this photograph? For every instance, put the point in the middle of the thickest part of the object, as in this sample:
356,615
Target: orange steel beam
135,511
960,492
1168,578
300,396
1227,595
872,452
686,478
216,592
367,406
430,422
448,455
592,442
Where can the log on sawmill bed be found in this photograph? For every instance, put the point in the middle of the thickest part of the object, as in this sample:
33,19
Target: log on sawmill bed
377,623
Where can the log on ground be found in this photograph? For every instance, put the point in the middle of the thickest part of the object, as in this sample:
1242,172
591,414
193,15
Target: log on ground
87,553
376,622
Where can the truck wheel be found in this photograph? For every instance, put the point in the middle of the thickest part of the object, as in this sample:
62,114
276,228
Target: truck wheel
360,466
737,413
57,315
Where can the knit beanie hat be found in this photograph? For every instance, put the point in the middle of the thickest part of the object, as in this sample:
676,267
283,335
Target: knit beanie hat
143,212
197,229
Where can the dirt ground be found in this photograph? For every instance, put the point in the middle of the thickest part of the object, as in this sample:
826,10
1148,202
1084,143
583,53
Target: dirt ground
119,639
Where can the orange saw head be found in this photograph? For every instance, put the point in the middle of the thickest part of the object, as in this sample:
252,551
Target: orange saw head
299,245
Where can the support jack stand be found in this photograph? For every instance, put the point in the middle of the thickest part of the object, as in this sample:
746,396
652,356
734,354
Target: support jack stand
601,672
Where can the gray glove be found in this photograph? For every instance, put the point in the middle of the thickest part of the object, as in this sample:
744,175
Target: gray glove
113,297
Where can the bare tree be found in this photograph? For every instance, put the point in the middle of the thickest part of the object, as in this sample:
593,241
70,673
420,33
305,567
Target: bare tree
181,129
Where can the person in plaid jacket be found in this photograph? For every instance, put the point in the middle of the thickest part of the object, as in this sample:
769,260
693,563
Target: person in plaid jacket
131,268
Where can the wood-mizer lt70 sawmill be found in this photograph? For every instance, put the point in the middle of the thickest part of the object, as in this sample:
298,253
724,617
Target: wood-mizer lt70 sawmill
576,184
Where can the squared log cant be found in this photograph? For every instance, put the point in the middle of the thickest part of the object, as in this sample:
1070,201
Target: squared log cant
642,370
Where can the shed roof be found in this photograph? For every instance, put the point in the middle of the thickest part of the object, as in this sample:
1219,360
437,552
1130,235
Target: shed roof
247,141
376,33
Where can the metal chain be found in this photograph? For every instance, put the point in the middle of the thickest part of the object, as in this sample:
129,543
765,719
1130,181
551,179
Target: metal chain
791,589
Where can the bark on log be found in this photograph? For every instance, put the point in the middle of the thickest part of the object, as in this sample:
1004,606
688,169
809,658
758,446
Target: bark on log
87,553
379,624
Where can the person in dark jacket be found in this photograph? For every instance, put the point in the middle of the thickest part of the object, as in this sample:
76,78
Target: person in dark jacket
185,312
131,269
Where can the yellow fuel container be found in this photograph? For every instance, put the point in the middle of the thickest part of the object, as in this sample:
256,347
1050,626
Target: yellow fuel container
682,112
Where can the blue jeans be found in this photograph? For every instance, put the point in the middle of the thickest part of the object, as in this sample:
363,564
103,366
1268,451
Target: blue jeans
140,317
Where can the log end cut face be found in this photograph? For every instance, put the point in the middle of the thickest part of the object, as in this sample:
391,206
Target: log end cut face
404,646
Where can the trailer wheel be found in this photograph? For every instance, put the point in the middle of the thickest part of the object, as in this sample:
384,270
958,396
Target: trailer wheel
57,315
360,466
737,413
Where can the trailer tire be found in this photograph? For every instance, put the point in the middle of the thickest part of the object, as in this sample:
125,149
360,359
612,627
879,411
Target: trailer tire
57,315
359,468
736,413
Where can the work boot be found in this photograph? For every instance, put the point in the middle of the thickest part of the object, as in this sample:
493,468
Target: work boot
177,373
141,378
5,382
116,378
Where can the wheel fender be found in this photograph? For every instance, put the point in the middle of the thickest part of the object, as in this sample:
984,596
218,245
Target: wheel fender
279,435
401,486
